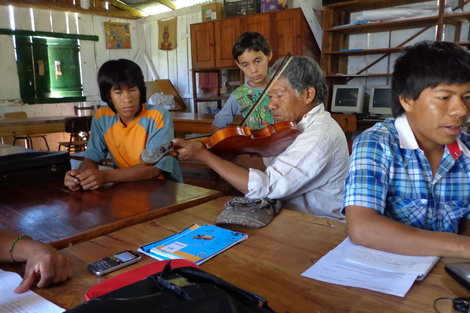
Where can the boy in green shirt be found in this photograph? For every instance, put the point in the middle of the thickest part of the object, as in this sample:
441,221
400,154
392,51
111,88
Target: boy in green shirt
252,53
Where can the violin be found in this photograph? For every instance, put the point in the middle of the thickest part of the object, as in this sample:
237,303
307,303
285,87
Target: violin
268,141
233,140
265,142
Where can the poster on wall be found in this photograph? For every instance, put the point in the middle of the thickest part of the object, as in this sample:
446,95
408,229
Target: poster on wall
167,34
118,35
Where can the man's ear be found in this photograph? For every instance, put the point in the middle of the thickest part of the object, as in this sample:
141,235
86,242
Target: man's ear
310,94
406,103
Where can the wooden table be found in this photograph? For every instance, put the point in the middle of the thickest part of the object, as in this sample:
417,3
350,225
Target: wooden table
9,149
183,122
32,125
50,212
269,262
195,123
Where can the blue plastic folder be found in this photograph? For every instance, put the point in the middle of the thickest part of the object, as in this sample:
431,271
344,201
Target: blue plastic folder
195,243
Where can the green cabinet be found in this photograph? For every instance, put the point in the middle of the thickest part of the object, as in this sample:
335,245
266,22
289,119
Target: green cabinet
49,69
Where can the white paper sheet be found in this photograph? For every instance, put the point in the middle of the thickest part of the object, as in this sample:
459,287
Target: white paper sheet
28,302
342,266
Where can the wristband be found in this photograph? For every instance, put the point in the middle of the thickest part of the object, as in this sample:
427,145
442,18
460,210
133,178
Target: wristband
14,243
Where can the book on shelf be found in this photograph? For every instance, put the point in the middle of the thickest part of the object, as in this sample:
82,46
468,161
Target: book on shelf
197,243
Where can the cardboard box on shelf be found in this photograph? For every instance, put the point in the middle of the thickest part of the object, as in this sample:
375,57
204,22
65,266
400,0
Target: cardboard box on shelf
240,7
212,11
273,5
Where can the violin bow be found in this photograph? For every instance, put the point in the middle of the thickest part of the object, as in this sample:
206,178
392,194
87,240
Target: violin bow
276,76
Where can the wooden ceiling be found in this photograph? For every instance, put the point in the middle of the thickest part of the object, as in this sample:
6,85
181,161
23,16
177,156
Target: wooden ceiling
119,9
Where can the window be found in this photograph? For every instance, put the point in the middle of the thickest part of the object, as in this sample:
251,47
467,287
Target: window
49,69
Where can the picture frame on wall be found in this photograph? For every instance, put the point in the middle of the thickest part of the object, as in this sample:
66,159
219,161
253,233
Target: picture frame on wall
118,35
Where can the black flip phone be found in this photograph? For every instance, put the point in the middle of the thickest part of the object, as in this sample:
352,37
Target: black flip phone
114,262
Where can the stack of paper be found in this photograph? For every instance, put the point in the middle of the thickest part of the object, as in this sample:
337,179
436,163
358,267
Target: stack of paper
357,266
28,302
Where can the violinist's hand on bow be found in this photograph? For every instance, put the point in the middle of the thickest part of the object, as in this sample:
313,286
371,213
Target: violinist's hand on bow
190,150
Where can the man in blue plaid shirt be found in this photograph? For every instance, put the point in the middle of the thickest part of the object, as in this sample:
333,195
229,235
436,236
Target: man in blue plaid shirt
408,186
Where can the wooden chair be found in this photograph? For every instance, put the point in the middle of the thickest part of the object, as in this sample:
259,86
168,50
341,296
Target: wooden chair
79,129
84,111
348,123
80,156
27,138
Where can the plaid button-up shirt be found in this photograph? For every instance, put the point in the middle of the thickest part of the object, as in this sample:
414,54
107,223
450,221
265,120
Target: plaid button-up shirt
390,174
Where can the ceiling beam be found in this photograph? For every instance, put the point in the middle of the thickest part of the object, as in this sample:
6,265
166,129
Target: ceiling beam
167,3
125,7
114,11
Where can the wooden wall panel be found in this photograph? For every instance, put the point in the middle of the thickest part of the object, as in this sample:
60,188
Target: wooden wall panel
9,83
42,20
183,54
4,17
59,22
74,27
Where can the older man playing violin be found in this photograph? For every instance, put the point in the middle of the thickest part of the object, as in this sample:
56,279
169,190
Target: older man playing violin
309,175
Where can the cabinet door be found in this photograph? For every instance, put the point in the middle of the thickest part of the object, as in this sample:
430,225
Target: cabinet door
227,32
256,23
202,45
286,33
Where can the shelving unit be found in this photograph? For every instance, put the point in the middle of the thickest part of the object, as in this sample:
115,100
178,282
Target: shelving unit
221,90
339,51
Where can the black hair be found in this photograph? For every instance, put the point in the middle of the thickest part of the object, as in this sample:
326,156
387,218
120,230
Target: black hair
301,74
250,41
428,64
119,73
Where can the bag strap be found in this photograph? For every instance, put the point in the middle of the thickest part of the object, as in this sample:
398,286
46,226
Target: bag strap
178,284
241,293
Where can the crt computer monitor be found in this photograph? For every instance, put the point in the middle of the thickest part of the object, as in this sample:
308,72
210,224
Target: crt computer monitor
347,99
380,101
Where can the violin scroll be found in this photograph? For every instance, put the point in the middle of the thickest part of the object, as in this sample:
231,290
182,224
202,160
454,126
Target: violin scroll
148,157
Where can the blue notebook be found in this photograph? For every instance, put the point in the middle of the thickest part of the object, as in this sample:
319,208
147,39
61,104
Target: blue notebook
195,243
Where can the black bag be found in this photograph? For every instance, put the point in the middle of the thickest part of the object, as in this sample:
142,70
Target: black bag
178,290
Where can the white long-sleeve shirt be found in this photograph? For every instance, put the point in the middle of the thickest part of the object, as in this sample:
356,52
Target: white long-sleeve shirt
309,175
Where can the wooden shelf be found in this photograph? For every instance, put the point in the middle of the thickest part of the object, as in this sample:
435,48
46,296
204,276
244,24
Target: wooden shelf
357,75
376,27
365,51
218,96
337,51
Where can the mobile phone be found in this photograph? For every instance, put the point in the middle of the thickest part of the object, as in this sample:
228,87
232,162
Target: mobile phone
114,262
